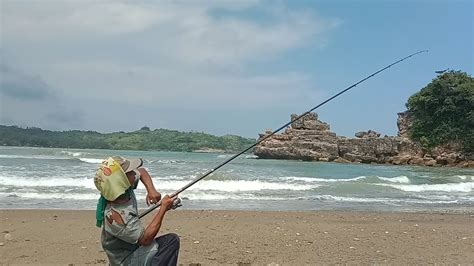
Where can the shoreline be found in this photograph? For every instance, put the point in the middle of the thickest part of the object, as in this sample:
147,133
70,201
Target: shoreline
214,237
469,164
356,211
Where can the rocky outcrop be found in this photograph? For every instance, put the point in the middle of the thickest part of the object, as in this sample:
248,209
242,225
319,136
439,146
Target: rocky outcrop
312,140
367,134
404,123
306,139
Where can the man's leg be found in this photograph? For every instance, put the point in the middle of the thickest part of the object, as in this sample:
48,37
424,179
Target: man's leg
168,249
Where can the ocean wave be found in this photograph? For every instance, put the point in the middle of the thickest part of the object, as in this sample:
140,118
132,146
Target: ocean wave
450,187
226,196
37,157
170,161
465,177
161,184
233,185
315,179
52,157
174,177
91,160
385,200
67,196
47,182
206,196
398,179
140,196
73,154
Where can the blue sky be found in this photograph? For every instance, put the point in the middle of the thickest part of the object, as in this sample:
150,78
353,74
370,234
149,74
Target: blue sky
223,67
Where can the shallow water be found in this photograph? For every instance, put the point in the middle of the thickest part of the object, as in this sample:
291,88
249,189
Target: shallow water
63,178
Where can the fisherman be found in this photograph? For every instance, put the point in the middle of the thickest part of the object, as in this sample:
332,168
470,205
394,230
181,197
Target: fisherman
124,238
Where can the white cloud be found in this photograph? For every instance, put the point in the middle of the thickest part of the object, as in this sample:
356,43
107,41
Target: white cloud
43,20
208,56
168,87
182,31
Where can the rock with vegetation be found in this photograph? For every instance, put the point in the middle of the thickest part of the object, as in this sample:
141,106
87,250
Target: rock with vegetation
443,112
437,129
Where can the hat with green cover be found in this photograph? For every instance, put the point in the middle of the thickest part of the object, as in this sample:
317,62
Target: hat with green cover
110,178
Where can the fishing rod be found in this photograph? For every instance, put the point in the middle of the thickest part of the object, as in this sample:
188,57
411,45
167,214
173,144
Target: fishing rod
194,181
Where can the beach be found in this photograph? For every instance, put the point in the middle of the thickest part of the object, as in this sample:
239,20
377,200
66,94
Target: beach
259,212
252,237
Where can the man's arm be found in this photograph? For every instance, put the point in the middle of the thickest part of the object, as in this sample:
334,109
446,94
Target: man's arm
153,228
153,196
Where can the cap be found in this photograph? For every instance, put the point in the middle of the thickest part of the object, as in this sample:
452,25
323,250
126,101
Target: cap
128,164
111,179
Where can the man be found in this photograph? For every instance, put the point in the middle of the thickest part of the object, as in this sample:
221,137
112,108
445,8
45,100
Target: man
124,238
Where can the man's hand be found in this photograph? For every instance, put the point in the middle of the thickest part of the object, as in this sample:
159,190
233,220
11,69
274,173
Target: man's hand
153,228
167,202
153,197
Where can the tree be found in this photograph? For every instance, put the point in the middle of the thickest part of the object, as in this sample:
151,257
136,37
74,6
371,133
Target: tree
443,111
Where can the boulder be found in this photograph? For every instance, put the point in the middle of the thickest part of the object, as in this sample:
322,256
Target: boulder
367,134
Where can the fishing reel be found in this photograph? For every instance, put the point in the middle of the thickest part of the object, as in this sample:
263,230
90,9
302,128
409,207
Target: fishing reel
176,204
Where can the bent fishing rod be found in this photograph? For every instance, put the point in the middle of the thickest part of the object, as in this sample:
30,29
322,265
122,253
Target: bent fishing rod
199,178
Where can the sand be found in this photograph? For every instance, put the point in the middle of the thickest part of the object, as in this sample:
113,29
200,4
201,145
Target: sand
247,237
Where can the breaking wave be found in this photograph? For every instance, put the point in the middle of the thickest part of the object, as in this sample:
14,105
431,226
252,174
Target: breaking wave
450,187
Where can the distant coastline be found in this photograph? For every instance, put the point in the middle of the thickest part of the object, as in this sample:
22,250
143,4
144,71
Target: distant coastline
143,139
209,150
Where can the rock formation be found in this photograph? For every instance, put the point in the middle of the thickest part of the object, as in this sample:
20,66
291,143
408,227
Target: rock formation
404,123
312,140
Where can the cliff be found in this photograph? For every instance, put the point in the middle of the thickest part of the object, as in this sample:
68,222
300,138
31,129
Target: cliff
310,139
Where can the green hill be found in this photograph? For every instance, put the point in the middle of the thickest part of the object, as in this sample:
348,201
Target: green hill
143,139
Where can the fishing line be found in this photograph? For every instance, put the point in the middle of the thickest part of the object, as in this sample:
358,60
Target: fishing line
194,181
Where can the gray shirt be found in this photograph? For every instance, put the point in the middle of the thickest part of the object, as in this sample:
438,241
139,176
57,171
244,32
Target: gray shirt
120,241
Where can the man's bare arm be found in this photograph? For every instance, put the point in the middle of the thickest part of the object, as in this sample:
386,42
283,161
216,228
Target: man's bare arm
153,196
153,228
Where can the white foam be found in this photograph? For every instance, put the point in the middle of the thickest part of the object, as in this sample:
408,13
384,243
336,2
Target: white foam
47,182
226,196
38,157
169,161
91,160
399,179
349,199
450,187
384,200
465,177
174,177
73,154
232,185
315,179
69,196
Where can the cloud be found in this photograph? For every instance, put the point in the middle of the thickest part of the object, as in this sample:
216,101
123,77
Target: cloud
189,33
66,117
29,100
207,55
167,88
42,20
205,39
16,84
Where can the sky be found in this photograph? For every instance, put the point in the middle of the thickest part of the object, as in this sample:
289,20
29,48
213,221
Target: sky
222,67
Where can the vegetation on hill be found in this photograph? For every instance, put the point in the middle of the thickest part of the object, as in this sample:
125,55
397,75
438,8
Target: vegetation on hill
443,111
143,139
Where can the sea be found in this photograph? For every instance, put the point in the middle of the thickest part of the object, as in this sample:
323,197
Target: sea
54,178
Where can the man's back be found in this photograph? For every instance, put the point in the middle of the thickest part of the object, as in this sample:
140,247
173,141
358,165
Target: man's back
120,241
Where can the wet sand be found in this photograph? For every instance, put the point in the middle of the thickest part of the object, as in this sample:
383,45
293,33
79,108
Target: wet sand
247,237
